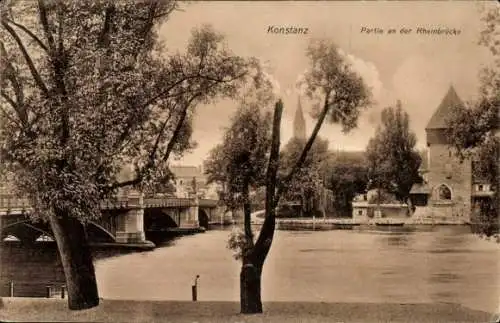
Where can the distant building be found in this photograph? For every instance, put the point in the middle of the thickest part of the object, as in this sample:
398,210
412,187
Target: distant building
450,189
365,208
299,123
190,179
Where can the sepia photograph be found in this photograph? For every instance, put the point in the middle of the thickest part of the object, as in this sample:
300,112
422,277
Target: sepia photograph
249,161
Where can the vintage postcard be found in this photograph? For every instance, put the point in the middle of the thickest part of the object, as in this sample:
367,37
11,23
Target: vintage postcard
240,161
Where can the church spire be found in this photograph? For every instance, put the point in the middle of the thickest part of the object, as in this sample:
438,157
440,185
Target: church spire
299,123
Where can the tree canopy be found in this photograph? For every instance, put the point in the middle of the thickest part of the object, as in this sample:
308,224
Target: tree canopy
346,176
87,89
337,91
479,140
308,180
392,159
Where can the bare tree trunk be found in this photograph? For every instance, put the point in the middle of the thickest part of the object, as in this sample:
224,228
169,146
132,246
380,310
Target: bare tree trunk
250,288
253,262
253,259
76,259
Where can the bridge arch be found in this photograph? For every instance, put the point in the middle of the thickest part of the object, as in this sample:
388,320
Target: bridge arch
95,231
25,231
156,219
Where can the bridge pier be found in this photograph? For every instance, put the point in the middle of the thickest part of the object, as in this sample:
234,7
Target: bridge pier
130,226
189,216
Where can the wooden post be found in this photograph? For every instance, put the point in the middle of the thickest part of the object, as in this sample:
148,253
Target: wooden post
194,289
194,292
63,289
47,291
11,289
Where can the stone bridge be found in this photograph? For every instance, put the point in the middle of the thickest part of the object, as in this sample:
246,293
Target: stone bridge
124,220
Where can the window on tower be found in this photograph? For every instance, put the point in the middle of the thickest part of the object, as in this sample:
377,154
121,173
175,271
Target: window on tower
443,192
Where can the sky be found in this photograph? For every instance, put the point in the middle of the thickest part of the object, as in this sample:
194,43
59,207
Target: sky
414,68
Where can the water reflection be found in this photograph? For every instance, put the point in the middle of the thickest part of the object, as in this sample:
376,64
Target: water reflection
398,240
444,277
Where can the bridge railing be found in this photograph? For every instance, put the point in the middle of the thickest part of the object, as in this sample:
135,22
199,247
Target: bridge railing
208,203
168,202
9,201
120,202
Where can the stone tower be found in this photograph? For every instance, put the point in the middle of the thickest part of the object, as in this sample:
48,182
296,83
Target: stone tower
299,123
448,178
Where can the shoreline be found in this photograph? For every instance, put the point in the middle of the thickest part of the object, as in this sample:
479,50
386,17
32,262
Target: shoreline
51,310
349,223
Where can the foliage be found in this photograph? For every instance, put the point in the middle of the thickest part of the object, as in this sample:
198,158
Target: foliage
479,140
162,183
308,180
346,176
240,161
392,160
258,198
381,197
237,242
87,89
330,81
251,144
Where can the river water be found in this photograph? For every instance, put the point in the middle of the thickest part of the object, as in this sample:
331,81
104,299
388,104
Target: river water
445,264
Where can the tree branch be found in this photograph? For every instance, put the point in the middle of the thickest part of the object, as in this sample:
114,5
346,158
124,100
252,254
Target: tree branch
263,244
8,99
247,213
106,28
59,62
282,187
10,74
150,164
34,73
42,13
29,33
7,114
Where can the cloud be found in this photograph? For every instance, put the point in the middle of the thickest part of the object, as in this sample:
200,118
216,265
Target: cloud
369,72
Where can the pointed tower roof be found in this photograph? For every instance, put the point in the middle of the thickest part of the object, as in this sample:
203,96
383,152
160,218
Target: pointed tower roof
299,123
438,119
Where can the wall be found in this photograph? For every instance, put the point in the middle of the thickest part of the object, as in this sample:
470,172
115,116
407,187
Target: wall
40,267
445,168
394,212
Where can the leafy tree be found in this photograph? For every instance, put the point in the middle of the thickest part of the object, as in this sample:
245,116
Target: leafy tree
479,140
346,176
162,183
392,159
337,92
308,180
86,88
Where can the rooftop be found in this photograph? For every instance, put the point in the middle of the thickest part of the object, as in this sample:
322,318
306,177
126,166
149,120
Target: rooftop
449,102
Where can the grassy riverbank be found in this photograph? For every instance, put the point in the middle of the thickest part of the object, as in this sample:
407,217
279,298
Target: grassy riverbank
54,310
